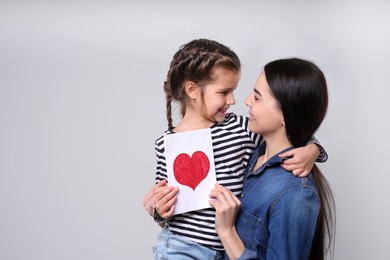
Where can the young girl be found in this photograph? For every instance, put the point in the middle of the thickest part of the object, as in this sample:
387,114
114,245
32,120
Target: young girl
280,216
202,78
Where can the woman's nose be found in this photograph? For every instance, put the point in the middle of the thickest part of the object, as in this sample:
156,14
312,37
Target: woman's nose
247,101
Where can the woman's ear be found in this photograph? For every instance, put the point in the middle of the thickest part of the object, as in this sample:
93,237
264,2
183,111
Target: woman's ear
191,90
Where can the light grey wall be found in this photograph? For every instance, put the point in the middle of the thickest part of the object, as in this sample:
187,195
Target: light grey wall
81,104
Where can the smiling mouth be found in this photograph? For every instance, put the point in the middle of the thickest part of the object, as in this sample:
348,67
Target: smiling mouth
224,110
251,116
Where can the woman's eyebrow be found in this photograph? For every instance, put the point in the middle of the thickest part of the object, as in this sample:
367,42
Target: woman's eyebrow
257,92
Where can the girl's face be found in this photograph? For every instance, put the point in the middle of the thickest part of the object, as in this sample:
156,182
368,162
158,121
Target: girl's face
218,96
266,116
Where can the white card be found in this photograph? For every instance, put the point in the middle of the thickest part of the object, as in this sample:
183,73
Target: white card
190,167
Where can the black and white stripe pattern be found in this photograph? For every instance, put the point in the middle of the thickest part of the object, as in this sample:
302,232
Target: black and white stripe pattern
233,144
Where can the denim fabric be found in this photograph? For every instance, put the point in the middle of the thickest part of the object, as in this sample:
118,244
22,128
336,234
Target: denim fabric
171,246
279,212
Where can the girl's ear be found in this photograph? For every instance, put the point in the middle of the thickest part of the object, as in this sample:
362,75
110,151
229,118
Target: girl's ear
191,90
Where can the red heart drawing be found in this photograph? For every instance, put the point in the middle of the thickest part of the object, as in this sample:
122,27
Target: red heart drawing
190,171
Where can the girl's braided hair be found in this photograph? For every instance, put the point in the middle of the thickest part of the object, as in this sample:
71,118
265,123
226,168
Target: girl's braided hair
195,61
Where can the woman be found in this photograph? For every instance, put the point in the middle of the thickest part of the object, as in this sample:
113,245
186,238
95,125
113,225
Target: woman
278,215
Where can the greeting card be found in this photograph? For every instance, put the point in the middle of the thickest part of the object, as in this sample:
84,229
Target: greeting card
190,167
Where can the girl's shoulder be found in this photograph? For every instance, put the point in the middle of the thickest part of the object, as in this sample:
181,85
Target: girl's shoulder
232,117
160,140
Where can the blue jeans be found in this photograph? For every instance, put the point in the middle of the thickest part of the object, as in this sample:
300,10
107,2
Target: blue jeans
171,246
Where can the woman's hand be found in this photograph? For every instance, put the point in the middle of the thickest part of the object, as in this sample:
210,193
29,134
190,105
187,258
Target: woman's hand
226,206
300,160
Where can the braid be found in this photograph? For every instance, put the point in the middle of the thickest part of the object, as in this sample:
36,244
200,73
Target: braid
195,62
168,98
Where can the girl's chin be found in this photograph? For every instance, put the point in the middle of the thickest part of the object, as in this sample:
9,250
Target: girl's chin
219,119
252,128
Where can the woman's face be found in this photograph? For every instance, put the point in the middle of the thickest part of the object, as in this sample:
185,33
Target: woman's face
265,114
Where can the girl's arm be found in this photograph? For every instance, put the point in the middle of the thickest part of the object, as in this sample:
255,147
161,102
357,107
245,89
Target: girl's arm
301,160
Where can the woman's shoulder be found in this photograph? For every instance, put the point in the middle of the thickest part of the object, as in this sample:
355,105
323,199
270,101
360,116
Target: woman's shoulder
298,186
278,185
281,179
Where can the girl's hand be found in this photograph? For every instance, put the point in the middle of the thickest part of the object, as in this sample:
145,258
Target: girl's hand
163,197
300,160
226,206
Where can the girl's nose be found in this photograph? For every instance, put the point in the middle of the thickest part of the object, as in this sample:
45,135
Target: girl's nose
231,101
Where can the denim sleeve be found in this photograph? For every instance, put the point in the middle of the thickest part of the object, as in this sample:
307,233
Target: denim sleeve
248,255
293,221
323,157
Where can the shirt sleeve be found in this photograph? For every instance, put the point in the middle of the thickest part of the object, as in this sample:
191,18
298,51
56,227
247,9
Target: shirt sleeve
323,157
292,225
256,138
248,255
161,171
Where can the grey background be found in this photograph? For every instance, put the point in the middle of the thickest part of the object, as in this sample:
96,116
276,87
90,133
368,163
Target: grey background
81,104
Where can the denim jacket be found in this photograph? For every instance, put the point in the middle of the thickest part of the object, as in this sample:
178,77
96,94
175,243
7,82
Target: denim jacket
279,212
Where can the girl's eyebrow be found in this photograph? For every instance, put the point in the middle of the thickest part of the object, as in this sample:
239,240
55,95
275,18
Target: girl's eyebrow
227,89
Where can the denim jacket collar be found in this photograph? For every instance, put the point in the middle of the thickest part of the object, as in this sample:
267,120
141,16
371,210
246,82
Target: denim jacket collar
260,150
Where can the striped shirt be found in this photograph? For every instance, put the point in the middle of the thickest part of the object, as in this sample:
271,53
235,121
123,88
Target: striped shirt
233,144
